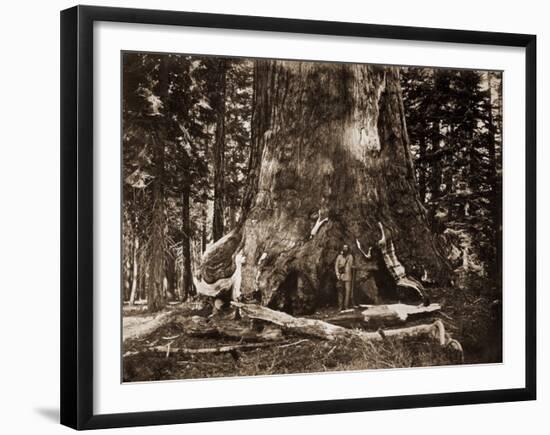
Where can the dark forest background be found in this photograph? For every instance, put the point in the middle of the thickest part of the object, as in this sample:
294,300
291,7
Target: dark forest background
188,127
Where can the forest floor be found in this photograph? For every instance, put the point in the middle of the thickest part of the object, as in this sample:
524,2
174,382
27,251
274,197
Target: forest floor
473,319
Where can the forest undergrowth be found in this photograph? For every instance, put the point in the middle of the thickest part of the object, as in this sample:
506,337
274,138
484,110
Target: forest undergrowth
471,317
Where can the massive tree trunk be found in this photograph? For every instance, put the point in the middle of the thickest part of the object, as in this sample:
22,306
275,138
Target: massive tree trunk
335,147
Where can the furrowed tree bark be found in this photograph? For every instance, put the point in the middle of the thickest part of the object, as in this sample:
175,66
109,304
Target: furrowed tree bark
157,242
219,153
261,111
155,293
335,145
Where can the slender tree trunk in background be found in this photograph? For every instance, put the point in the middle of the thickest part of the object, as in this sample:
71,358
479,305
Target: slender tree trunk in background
171,285
135,253
219,153
157,242
422,170
495,196
435,175
155,285
204,240
127,256
447,176
187,279
231,217
142,281
472,160
127,275
336,145
135,260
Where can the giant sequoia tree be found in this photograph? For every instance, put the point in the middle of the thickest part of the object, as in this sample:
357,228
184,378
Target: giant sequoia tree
333,144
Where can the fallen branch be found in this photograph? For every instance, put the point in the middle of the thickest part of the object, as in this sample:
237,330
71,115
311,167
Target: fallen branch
214,350
168,349
206,363
130,353
441,313
295,343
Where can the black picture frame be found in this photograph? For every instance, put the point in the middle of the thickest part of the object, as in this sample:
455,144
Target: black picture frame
77,215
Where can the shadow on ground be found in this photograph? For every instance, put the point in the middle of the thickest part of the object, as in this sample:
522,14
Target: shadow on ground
51,414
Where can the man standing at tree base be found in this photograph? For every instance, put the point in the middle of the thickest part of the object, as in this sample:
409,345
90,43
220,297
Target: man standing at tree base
344,267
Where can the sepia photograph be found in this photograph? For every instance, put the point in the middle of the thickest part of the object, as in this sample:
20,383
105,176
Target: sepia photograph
303,216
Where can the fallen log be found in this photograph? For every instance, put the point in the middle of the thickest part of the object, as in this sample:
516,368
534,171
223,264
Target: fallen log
135,327
239,332
348,319
234,329
308,327
327,331
397,313
198,326
382,315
